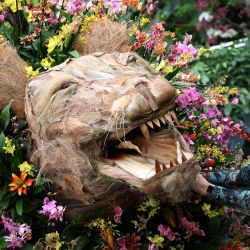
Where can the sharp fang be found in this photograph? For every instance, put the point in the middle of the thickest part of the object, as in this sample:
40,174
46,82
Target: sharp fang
157,122
150,124
144,130
157,167
163,120
168,118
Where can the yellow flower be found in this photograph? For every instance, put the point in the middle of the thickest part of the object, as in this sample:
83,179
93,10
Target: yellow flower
9,148
133,30
1,7
157,240
29,17
206,208
86,22
221,90
31,73
160,66
46,63
53,42
66,30
234,92
26,167
202,50
209,151
144,21
53,241
164,68
12,5
139,6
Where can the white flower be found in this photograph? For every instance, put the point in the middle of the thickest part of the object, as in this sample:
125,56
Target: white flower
229,33
213,33
206,16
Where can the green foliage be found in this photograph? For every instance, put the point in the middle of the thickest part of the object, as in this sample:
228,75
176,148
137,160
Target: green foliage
12,156
228,66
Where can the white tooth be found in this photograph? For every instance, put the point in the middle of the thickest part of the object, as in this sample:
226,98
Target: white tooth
163,120
144,130
150,124
168,118
174,117
157,122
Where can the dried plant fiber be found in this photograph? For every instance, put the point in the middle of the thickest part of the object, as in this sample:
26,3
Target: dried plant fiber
13,80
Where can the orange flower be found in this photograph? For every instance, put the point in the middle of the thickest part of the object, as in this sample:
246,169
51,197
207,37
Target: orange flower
20,184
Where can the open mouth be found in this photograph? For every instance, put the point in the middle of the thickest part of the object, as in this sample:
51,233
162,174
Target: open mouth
148,149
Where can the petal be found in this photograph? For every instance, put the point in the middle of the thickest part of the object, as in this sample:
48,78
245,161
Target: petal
13,188
19,191
25,191
23,176
14,177
29,182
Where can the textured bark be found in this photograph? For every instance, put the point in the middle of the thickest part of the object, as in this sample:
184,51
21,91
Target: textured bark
76,108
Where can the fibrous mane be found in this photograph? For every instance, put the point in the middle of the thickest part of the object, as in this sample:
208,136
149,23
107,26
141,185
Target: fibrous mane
12,79
103,36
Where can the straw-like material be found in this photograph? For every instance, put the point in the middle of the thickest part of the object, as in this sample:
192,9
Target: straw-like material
12,80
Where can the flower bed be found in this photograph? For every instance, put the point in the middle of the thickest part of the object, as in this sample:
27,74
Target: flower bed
45,35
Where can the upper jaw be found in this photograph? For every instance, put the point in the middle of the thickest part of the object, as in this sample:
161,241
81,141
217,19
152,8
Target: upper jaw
162,115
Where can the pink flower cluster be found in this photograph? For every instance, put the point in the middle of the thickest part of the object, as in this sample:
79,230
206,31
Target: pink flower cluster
150,6
190,98
3,14
118,215
51,210
167,232
112,4
217,120
18,233
75,6
191,227
181,50
155,37
237,227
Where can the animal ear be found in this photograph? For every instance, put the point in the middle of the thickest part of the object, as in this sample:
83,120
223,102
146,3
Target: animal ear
105,36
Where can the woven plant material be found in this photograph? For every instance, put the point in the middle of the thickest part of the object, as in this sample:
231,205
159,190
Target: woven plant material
103,131
103,35
13,80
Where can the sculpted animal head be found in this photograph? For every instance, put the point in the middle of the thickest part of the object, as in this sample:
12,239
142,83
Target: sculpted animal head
102,128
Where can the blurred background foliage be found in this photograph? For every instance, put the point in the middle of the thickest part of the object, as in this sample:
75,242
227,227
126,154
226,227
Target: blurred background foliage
224,25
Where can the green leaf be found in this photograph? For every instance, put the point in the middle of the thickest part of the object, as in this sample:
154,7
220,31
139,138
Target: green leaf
5,203
2,140
65,14
68,41
3,244
27,246
74,53
19,206
41,181
5,117
82,242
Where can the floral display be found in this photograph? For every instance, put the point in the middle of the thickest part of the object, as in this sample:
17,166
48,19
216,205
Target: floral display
44,33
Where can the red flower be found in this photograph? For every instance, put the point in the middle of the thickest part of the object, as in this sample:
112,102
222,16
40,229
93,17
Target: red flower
20,183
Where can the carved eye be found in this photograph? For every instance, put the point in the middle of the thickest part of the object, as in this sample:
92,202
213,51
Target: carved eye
67,84
131,59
